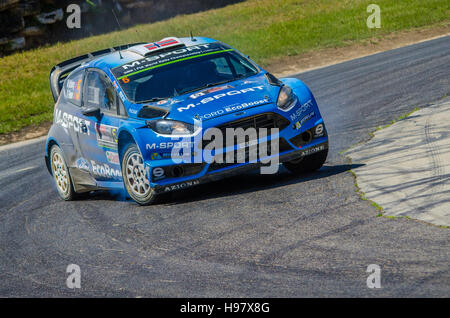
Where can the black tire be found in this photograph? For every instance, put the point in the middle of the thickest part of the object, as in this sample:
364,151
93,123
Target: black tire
61,174
135,178
307,164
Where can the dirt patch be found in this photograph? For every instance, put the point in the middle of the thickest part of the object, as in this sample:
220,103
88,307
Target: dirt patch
26,133
296,64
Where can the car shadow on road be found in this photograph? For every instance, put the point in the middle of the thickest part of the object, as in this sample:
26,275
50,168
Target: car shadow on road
251,181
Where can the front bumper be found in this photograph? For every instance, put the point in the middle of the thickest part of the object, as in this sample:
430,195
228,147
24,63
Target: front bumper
297,137
315,146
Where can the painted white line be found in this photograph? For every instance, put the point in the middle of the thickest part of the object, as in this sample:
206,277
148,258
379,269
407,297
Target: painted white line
8,173
22,143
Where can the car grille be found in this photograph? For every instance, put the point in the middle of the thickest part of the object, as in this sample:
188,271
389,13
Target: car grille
265,120
282,144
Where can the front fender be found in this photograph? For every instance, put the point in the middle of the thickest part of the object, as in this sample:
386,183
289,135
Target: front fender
140,135
300,89
305,97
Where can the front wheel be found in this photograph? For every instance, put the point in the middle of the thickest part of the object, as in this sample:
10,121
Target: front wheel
135,178
307,164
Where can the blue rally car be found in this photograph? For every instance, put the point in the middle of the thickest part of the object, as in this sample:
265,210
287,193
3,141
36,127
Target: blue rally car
121,114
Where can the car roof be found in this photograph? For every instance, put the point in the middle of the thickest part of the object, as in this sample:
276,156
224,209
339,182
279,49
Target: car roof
129,55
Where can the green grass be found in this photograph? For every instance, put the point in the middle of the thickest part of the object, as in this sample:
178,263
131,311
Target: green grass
264,29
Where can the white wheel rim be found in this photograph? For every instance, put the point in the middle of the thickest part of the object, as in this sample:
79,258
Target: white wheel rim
60,173
135,175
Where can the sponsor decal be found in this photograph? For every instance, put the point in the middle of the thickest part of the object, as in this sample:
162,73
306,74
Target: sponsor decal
112,157
319,130
209,91
210,115
232,108
156,60
104,170
73,89
69,121
155,156
106,136
162,43
82,164
160,155
169,145
221,95
162,102
299,111
300,123
180,186
312,150
122,96
158,173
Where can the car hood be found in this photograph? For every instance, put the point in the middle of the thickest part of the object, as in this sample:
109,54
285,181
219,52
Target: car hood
220,100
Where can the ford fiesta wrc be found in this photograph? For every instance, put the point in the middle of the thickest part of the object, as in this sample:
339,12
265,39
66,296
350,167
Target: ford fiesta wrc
123,114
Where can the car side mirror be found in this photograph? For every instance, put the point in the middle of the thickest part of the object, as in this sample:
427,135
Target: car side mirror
90,111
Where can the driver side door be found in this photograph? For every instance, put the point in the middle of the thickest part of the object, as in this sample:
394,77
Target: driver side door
99,147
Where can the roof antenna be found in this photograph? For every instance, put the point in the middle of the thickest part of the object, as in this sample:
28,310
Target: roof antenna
192,38
120,28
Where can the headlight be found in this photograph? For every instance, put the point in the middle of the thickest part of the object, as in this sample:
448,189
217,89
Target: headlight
286,98
171,127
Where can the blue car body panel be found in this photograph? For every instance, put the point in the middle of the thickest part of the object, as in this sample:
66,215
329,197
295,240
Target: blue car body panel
92,145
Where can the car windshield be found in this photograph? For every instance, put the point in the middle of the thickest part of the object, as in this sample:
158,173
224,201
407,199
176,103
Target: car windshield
150,80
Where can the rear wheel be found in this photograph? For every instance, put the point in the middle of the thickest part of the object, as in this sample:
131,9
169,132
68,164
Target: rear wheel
135,177
61,174
307,164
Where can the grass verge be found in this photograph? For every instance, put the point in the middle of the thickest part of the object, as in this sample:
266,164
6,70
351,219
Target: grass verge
261,28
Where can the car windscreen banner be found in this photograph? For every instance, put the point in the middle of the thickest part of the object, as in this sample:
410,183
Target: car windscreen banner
164,58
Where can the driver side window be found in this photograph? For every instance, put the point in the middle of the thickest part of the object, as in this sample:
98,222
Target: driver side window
99,92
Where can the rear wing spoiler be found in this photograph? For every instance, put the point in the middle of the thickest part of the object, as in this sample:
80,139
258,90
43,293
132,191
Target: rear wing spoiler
60,71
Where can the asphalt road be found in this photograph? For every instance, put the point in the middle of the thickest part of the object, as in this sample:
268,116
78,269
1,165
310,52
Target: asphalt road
251,235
